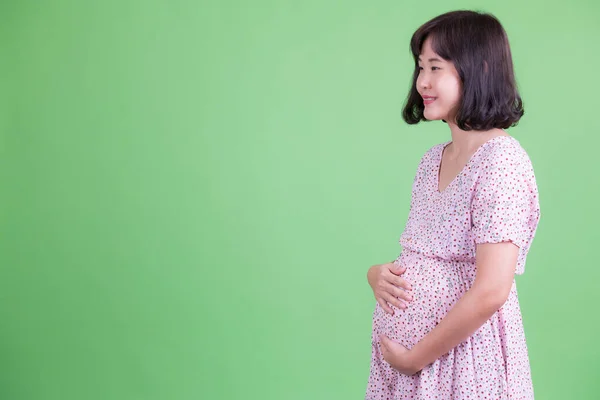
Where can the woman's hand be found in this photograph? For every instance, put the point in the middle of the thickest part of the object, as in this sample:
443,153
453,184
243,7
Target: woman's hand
399,357
388,287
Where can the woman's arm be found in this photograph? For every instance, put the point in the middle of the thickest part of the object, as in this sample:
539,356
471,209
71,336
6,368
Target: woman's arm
496,263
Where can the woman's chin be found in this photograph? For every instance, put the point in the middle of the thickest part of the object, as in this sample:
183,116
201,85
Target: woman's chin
434,116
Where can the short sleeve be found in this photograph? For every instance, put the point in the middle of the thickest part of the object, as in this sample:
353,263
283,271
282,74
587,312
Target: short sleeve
505,204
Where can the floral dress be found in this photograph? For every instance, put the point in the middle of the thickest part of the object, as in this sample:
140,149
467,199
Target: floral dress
493,199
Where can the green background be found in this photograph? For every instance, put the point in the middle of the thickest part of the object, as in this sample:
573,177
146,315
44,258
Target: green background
192,193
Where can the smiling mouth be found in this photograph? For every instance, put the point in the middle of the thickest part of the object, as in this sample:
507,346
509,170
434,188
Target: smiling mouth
429,100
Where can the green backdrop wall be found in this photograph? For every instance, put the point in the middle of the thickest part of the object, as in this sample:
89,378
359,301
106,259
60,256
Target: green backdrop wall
192,193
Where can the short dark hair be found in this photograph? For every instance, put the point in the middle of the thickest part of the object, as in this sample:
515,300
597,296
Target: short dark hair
477,45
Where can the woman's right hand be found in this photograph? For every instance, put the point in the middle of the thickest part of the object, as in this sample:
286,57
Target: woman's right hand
388,287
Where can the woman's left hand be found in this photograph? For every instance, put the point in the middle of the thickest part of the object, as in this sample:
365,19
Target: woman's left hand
398,356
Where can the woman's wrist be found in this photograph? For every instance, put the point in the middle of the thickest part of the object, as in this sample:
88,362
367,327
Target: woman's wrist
416,360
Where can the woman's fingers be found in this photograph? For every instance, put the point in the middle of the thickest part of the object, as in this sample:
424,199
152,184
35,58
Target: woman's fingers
383,304
395,269
394,300
396,280
396,292
401,283
402,294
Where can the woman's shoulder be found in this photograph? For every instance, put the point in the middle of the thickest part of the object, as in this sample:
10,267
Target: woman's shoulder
504,156
504,151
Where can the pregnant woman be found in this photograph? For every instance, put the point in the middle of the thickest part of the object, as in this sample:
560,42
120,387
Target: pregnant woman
447,323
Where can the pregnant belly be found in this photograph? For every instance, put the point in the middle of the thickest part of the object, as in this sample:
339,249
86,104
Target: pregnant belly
437,286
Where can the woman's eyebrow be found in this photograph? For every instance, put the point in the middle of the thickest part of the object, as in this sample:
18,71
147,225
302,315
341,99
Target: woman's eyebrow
432,59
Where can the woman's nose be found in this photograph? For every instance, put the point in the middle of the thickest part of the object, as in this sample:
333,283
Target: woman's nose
423,83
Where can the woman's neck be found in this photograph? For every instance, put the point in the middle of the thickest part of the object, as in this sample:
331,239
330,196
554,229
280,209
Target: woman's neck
467,142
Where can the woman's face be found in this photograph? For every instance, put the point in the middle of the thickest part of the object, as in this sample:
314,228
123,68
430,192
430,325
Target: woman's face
439,85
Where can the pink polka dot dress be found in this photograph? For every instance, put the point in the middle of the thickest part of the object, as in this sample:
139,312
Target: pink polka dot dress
493,199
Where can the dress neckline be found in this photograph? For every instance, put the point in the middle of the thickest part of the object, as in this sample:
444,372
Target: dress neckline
440,154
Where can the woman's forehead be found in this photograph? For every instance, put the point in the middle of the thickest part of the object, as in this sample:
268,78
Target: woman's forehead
427,50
